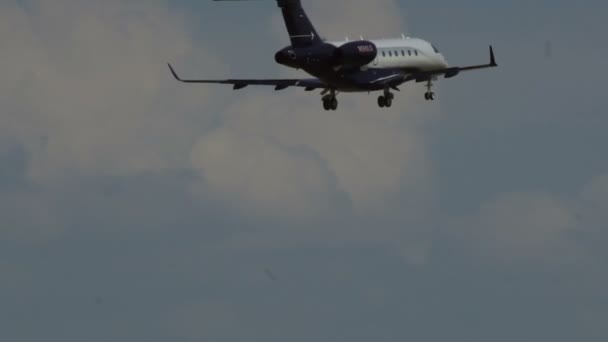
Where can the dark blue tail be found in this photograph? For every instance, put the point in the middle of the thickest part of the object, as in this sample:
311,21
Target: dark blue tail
301,31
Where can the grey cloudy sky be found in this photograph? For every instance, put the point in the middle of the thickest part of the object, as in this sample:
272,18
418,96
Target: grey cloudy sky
133,208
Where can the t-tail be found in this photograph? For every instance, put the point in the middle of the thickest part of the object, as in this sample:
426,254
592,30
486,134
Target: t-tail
301,31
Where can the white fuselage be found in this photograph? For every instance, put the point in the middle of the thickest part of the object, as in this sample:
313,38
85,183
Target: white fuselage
405,53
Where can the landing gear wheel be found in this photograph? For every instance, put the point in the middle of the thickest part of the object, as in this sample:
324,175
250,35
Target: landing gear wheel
333,103
330,102
326,105
388,102
381,101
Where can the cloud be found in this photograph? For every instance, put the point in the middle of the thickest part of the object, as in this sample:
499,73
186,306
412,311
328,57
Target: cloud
89,97
283,154
97,235
523,226
372,19
273,158
261,175
318,178
87,91
541,227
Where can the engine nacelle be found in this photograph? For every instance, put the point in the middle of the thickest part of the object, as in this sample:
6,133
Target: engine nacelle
355,54
350,55
318,56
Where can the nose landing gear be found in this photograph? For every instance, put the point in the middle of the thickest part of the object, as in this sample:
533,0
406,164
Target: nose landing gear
429,95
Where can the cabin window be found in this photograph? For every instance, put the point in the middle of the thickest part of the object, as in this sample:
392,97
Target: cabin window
390,53
409,52
402,53
396,54
416,52
383,53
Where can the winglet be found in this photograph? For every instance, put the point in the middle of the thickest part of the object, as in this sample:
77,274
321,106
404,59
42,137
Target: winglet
492,57
174,73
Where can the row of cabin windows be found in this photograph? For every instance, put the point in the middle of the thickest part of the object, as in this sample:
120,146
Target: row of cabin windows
396,53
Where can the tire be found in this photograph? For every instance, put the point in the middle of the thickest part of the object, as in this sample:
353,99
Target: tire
326,105
388,102
432,97
334,104
381,101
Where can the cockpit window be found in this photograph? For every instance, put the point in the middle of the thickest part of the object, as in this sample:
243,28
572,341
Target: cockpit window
435,48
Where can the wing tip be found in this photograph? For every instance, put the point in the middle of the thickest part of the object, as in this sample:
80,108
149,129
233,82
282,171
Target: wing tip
174,73
492,57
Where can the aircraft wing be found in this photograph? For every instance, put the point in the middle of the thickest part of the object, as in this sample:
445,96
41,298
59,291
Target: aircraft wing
278,84
453,71
492,63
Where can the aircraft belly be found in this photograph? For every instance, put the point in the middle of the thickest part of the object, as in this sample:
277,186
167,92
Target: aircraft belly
356,80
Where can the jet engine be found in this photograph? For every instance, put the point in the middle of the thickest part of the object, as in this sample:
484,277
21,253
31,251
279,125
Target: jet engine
350,55
355,54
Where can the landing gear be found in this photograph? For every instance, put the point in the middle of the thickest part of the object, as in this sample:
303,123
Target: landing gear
330,102
386,100
429,95
381,101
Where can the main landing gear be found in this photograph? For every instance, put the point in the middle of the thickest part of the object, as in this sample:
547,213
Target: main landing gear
386,100
330,102
429,95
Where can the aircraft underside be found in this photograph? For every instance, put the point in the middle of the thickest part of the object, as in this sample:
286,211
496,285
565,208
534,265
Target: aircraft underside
369,80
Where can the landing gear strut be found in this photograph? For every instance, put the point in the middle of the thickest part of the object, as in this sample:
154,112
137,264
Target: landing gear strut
386,100
330,102
429,95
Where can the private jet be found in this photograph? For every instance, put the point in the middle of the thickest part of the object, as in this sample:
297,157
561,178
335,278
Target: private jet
351,65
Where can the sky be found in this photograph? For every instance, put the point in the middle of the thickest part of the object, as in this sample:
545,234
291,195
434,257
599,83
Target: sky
134,208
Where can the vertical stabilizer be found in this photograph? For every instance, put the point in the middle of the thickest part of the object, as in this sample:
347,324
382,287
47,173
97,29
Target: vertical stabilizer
301,31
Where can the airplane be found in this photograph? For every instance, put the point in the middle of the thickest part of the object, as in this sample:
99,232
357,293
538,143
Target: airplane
351,66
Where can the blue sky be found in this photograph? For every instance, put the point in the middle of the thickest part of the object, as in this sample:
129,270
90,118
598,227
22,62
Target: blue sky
135,208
